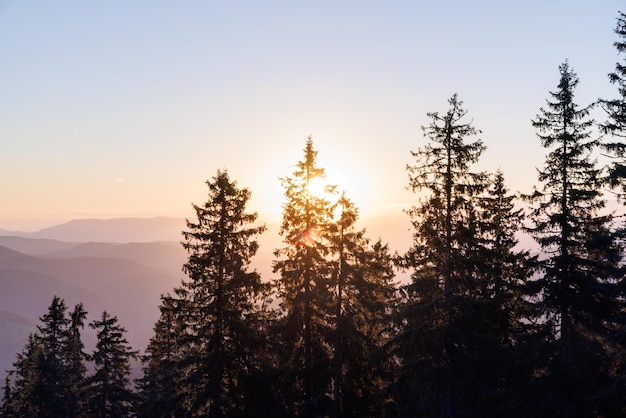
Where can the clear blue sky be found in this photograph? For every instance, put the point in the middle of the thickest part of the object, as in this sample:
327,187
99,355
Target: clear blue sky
125,108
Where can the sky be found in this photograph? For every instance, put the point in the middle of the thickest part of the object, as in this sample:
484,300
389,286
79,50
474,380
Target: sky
125,108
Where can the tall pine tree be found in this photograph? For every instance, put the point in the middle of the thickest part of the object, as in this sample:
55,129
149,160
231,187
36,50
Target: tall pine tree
304,288
496,322
616,113
75,357
440,338
363,294
577,289
207,339
53,336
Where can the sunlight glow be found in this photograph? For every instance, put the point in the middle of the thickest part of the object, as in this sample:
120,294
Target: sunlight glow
317,187
306,238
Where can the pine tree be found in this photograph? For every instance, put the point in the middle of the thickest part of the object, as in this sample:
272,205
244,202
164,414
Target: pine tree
7,409
304,289
577,290
498,326
47,376
108,392
207,338
75,362
616,113
158,390
53,374
364,290
436,376
24,388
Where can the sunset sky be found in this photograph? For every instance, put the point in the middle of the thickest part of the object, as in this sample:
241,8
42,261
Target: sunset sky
124,108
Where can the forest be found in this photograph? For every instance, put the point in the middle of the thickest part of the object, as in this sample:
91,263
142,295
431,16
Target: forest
483,327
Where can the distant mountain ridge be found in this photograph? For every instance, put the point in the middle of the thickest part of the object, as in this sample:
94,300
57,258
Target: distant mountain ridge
13,233
129,289
121,230
168,256
34,246
122,265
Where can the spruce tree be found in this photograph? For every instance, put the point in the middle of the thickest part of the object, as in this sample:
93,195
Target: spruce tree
205,347
23,385
616,113
577,289
53,381
615,126
46,380
364,291
108,392
498,324
158,388
304,289
75,357
434,344
7,410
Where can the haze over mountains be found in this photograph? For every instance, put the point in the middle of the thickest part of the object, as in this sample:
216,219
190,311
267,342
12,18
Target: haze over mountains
110,230
118,265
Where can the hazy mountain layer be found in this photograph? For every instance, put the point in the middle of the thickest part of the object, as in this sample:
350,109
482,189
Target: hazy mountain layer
124,287
111,230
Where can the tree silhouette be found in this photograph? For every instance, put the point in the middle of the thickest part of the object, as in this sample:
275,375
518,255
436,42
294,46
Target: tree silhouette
496,323
616,113
577,289
304,288
442,318
75,357
158,389
209,331
364,292
23,385
108,391
48,375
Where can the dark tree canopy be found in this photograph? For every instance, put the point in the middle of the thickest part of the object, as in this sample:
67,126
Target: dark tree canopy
363,293
203,357
336,290
615,125
48,376
578,288
304,288
456,318
108,392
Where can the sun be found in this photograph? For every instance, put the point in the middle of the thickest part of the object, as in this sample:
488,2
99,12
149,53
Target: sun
316,187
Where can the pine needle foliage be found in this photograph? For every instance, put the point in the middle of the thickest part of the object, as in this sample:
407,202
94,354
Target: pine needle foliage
578,289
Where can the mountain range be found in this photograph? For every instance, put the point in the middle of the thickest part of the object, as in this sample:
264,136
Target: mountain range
110,230
107,265
120,265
